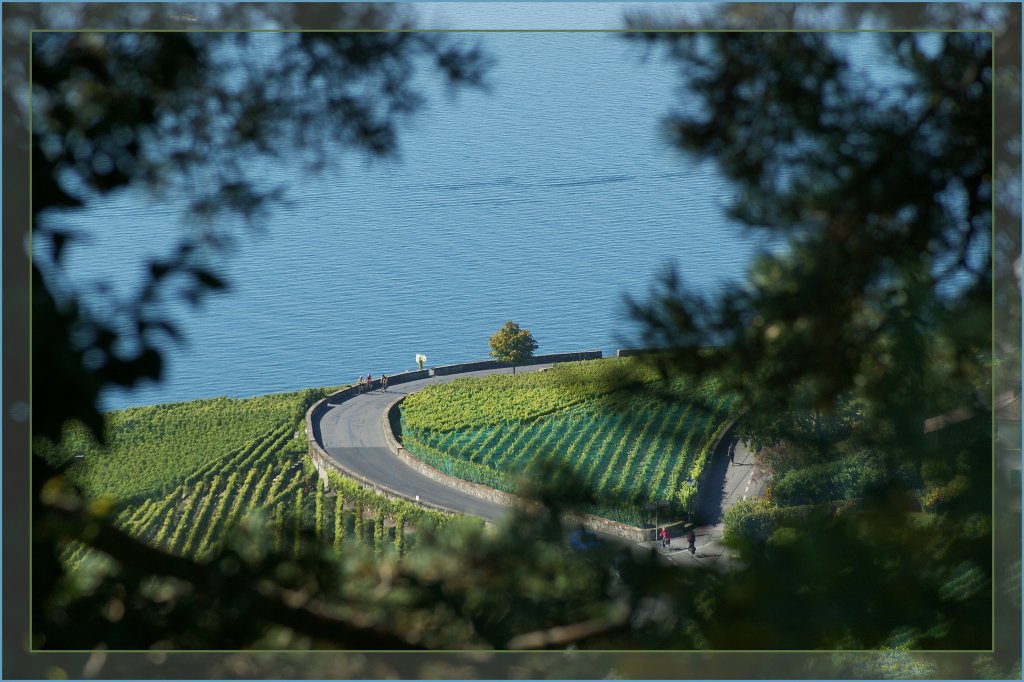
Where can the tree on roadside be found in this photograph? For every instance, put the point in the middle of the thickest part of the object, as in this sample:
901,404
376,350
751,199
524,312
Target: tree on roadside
512,344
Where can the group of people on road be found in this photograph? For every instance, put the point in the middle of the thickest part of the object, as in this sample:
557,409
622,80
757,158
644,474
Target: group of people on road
366,383
691,538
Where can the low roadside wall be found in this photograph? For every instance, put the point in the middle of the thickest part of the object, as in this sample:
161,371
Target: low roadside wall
323,463
415,375
630,352
481,365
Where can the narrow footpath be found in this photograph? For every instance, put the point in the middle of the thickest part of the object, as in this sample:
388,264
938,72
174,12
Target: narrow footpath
352,433
727,484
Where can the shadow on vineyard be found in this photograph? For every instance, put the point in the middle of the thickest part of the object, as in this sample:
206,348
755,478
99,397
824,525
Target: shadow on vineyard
628,437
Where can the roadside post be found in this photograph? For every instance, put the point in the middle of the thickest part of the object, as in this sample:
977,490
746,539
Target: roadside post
654,507
689,502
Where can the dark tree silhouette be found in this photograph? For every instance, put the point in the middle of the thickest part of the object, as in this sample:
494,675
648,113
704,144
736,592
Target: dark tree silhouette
157,110
151,110
881,307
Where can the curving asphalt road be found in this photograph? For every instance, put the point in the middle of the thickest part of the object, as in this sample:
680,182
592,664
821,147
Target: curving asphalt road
352,433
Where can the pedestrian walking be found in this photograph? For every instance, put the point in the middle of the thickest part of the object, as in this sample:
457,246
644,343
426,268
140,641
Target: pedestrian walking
732,453
666,539
383,383
691,537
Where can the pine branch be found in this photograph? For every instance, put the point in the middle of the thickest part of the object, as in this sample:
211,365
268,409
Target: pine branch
272,603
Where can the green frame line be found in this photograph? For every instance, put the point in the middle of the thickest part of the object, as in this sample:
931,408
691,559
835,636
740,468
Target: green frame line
992,363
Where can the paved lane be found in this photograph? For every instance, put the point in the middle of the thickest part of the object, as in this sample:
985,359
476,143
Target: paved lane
353,434
727,483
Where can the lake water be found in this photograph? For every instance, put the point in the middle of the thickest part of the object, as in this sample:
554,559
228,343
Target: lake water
543,201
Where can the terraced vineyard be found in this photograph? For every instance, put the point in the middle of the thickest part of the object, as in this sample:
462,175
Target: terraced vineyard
188,511
628,446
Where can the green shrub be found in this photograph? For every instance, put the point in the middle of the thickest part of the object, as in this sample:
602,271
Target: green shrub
755,520
843,479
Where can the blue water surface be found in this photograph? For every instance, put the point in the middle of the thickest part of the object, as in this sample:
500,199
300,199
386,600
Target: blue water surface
543,201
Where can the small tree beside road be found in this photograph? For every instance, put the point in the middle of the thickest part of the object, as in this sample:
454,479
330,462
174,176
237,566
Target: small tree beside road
512,344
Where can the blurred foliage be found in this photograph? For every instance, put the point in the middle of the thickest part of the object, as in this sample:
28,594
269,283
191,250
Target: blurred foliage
112,110
874,317
885,203
451,591
151,109
887,199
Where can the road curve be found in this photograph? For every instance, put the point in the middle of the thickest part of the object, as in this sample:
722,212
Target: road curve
352,433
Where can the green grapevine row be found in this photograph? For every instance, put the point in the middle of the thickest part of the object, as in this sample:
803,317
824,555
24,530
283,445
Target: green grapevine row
629,447
152,450
212,463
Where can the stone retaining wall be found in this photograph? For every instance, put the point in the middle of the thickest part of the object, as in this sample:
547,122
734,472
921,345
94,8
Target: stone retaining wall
324,462
497,496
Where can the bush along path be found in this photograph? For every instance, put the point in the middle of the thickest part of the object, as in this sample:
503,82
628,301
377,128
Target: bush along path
352,433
